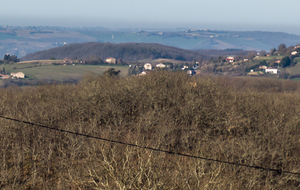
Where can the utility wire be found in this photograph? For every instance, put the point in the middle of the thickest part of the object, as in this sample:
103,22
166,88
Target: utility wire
279,171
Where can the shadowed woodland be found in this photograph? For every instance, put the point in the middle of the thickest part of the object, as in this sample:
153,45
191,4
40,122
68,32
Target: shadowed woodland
124,51
251,121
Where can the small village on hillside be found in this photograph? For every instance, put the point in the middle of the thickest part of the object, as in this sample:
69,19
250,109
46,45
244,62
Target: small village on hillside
280,63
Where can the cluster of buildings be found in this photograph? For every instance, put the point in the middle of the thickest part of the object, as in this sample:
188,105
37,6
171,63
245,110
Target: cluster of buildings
231,59
18,75
148,67
266,69
295,52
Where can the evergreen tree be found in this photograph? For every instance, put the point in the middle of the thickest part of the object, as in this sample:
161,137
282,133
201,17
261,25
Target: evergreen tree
273,50
285,62
6,57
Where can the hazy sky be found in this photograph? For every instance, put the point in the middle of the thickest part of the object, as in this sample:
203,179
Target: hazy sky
267,15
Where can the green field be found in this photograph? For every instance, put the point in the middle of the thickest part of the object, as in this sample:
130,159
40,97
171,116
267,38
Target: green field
294,70
298,59
269,58
60,72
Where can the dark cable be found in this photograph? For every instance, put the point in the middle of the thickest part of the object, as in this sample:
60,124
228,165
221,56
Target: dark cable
279,171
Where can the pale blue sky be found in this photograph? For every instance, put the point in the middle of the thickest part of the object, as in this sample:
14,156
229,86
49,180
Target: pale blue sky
267,15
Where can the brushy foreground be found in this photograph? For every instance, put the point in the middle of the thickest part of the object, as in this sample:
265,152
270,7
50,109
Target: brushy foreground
246,121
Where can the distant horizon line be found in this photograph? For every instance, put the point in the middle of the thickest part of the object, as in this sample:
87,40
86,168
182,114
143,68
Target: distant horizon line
147,28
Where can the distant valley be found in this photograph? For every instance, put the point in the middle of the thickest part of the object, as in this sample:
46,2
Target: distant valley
22,41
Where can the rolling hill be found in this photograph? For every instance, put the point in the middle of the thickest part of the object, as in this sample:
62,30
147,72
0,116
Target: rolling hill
124,51
23,40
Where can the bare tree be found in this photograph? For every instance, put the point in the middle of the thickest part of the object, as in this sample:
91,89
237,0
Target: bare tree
263,53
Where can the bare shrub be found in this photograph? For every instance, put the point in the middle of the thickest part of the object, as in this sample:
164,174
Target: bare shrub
246,121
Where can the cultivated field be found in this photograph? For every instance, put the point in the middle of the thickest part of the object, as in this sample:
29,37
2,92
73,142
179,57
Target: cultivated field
170,61
268,58
294,70
40,62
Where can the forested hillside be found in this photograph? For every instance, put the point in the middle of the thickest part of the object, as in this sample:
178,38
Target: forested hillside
124,51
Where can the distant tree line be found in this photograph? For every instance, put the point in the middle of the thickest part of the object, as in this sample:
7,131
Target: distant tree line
9,58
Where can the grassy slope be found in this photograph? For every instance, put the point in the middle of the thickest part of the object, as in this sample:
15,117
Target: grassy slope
294,70
40,62
60,72
269,58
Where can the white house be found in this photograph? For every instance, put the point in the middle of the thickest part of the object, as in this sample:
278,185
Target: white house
148,66
111,60
271,70
184,67
19,75
160,65
294,53
296,47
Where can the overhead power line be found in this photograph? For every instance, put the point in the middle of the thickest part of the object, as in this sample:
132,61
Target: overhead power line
154,149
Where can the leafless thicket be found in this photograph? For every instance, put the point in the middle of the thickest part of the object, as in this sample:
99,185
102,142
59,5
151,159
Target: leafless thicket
251,121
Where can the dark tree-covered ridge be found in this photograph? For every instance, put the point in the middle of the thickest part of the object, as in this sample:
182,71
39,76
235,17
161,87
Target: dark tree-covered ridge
124,51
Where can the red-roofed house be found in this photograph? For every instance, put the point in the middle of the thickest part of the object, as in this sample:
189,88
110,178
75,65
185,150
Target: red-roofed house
5,76
278,61
230,59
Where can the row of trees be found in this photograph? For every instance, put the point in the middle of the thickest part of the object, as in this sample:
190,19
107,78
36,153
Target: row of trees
9,58
3,71
283,50
92,60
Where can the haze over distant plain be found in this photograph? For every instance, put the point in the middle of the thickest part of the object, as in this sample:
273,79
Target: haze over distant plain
264,15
